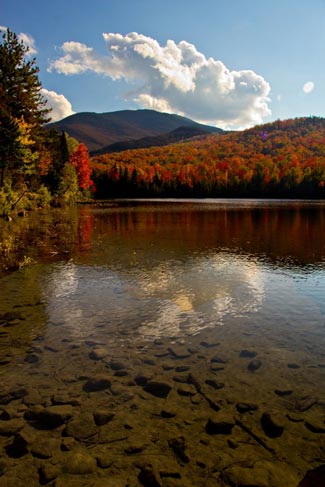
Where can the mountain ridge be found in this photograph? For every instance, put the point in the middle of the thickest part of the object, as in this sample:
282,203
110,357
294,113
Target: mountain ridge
98,130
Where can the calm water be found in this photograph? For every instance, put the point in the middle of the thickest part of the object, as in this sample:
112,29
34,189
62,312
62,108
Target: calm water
144,270
185,294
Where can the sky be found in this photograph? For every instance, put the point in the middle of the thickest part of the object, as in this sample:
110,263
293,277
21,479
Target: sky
228,63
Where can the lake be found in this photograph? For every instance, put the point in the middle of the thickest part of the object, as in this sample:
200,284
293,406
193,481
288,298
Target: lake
164,342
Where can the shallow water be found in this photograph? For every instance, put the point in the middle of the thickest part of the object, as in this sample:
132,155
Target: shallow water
141,276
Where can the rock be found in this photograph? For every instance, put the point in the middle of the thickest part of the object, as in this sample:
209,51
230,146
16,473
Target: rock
283,392
168,413
42,449
182,379
98,353
79,463
272,423
244,407
254,365
182,368
6,396
142,378
179,352
315,425
214,384
314,477
99,382
293,366
118,365
11,427
50,417
21,443
32,358
220,424
149,477
209,344
134,448
247,354
260,474
62,398
186,390
305,403
158,389
217,359
103,416
81,428
178,447
48,472
104,459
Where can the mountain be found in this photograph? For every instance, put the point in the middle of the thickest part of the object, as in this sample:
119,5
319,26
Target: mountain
178,135
98,130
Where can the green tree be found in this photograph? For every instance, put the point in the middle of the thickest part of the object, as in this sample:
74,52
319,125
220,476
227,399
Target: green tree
20,88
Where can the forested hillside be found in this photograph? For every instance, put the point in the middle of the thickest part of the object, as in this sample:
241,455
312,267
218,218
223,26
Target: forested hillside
283,158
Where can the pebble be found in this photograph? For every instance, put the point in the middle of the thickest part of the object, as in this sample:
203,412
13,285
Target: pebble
186,390
98,353
245,407
11,427
97,383
158,389
273,424
103,416
217,359
220,424
214,384
79,463
254,365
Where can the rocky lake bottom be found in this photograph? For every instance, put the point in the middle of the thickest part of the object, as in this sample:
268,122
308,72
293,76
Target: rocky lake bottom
221,408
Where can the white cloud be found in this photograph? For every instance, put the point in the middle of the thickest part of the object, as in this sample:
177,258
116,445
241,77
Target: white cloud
175,78
61,107
29,42
308,87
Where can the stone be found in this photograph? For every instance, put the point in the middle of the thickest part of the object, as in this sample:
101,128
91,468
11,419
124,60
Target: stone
254,365
104,459
168,413
179,352
158,389
182,368
99,382
149,477
48,472
178,447
118,365
214,384
247,353
217,359
314,477
6,396
209,344
98,353
186,390
305,403
283,392
273,424
245,407
50,417
79,463
21,443
42,449
315,425
81,428
220,424
134,448
103,416
142,378
11,427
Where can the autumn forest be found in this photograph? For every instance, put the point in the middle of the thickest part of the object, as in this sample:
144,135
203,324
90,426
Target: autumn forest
40,165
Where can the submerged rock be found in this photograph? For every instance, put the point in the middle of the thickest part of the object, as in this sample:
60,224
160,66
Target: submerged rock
220,424
97,383
158,389
272,423
79,463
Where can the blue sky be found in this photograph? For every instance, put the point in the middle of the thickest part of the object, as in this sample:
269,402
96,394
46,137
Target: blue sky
229,63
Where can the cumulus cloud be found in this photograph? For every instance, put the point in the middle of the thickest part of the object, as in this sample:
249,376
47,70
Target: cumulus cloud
175,78
61,107
308,87
28,41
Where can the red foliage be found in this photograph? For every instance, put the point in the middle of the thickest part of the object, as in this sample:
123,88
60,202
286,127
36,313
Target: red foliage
80,160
